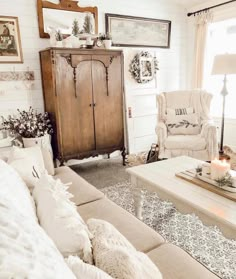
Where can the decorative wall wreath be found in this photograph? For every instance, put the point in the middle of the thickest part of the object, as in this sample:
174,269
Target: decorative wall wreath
143,67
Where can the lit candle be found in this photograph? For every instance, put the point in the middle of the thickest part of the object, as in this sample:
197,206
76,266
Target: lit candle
219,169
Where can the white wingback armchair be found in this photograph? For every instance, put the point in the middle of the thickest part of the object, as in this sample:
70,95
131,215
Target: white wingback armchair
173,110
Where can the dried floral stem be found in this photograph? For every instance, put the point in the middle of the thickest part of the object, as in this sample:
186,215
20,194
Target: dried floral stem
28,124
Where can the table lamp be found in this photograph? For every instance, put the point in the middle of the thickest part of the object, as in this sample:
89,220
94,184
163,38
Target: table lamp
224,64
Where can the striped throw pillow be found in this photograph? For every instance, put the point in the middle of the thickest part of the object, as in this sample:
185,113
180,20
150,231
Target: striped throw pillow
179,111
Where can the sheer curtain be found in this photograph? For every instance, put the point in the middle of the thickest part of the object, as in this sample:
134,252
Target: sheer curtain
202,21
221,39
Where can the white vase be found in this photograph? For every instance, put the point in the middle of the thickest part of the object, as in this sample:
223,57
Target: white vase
73,41
66,44
43,142
59,44
107,43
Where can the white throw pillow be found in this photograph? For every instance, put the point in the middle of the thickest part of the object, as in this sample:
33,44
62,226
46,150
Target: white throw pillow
85,271
44,143
28,162
14,189
48,161
183,124
42,156
179,111
60,219
116,256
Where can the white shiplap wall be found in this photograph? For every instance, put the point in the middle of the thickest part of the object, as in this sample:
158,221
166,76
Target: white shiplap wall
141,98
16,94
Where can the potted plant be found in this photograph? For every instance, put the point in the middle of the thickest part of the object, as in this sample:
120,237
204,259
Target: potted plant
73,39
107,40
34,128
59,38
88,26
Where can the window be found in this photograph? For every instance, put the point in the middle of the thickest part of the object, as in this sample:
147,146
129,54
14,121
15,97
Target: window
221,39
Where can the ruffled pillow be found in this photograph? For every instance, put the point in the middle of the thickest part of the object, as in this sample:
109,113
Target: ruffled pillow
59,218
115,255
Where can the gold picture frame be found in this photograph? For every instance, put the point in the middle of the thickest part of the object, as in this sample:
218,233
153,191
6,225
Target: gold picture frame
10,42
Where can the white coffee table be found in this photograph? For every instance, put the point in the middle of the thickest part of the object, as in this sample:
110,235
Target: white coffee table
160,177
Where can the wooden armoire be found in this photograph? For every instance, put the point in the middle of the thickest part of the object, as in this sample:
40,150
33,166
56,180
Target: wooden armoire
83,92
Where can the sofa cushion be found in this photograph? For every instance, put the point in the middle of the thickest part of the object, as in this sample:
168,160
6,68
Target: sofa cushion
139,235
82,191
191,142
114,254
175,263
59,218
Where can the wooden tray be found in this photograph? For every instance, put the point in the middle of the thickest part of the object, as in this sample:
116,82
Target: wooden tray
190,176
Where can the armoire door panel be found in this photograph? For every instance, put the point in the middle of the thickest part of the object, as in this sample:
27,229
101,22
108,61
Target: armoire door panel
108,112
76,116
84,127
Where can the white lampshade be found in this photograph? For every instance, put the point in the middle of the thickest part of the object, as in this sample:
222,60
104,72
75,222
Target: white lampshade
224,64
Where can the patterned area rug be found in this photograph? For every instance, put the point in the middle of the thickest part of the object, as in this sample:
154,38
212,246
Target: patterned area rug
206,244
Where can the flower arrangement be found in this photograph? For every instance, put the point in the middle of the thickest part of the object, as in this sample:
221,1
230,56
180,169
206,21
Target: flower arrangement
88,26
75,28
58,35
29,124
226,180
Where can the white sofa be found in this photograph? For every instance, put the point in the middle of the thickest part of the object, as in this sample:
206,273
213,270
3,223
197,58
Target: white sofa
23,243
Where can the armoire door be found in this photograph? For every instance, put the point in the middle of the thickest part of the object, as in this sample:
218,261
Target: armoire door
75,112
108,99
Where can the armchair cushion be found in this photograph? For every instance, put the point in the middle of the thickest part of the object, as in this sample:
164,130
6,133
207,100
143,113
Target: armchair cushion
188,142
183,124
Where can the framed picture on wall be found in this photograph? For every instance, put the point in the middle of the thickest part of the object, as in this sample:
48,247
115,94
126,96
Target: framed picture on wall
10,43
146,68
133,31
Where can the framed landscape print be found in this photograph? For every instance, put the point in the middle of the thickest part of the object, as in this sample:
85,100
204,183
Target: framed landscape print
138,31
10,44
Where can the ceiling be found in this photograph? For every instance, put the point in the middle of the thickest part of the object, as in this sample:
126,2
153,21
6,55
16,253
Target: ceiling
189,3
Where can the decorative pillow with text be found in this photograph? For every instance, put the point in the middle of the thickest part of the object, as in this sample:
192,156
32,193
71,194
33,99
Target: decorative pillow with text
179,111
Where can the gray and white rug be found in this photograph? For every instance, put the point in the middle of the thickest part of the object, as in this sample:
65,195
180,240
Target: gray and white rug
206,244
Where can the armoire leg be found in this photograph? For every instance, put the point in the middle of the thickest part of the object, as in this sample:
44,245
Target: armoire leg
123,153
62,161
